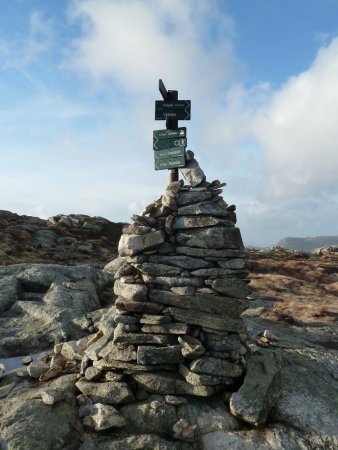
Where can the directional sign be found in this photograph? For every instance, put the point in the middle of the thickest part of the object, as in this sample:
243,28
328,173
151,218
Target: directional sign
169,153
169,163
169,143
168,105
178,109
170,134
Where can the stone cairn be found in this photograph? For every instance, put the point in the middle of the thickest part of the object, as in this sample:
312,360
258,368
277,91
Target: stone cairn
181,285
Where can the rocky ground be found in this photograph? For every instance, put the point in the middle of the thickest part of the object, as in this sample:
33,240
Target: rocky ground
71,240
53,289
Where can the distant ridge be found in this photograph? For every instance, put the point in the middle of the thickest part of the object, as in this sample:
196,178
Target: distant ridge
307,244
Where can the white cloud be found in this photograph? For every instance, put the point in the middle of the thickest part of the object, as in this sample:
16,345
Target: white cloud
297,130
136,42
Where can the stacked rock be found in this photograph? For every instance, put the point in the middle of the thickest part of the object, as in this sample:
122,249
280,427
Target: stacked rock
182,286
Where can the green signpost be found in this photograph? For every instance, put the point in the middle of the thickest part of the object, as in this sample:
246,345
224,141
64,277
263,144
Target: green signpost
169,145
169,153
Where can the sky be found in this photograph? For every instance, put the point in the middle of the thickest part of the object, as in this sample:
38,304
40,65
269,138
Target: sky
78,82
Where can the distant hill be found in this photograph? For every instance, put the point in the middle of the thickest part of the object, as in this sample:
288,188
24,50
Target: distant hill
307,244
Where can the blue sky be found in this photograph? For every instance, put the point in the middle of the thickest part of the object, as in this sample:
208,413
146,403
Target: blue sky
78,81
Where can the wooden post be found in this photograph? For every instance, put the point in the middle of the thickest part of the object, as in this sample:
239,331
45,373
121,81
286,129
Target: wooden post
171,124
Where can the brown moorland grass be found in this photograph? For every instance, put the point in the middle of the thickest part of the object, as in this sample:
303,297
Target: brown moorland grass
302,290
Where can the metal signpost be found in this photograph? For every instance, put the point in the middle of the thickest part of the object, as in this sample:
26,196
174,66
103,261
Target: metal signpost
169,145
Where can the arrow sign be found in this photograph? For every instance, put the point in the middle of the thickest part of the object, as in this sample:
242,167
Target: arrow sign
178,110
170,134
175,104
169,153
169,143
169,163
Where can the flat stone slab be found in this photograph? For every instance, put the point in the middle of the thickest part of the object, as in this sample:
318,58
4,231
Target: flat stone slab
212,253
134,228
92,373
186,222
50,396
233,287
173,400
143,338
73,350
212,321
126,319
36,369
152,319
213,208
128,367
119,353
183,290
169,384
217,272
260,390
141,307
234,263
131,291
203,379
202,302
216,366
166,328
174,281
155,269
109,392
94,349
212,238
159,355
184,262
191,347
189,197
133,244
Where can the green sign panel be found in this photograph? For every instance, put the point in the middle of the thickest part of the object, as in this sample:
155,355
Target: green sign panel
170,134
179,110
169,143
169,163
169,153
